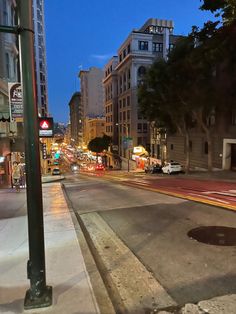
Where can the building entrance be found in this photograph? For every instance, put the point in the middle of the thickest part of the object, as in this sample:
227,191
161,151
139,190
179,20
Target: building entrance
233,157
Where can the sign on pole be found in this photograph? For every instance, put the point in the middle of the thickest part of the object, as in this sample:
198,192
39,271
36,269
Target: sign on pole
46,127
127,142
15,101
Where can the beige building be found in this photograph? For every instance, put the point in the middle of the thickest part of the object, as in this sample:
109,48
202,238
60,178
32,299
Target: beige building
92,94
93,128
152,41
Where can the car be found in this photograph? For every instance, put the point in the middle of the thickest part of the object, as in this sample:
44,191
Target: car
156,168
74,167
99,167
172,167
56,172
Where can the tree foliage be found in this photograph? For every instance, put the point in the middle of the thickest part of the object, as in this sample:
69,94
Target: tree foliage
198,79
226,9
99,144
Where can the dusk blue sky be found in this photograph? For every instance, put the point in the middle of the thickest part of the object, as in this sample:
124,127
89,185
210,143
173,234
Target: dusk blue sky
85,33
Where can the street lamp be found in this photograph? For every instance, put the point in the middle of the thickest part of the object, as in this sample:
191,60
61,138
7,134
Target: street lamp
39,295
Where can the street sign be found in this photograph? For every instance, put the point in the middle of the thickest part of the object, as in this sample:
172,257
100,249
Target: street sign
45,127
15,101
127,142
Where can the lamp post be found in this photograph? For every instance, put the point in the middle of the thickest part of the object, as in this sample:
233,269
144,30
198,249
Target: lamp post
39,295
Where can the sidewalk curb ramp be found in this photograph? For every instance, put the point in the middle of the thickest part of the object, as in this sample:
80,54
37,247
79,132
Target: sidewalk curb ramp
132,288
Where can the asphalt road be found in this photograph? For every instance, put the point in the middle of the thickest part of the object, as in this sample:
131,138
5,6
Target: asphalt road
154,227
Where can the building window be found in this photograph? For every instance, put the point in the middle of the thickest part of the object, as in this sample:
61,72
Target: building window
124,102
143,45
171,47
206,148
157,47
120,103
120,57
172,146
128,75
128,114
190,146
128,48
211,118
5,15
124,115
128,101
124,81
139,127
141,71
124,53
145,128
7,65
139,142
121,84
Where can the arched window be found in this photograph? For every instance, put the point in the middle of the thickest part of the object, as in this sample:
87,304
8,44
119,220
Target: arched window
141,71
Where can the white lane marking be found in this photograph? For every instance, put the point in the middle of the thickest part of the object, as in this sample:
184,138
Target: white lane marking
211,198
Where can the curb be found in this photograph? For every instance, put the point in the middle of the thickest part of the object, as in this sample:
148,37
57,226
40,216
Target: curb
132,288
99,288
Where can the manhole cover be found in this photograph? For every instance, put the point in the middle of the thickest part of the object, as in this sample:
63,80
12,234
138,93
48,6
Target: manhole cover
214,235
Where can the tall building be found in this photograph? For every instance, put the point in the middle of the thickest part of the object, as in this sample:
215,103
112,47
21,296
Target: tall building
40,57
137,53
76,125
91,93
111,100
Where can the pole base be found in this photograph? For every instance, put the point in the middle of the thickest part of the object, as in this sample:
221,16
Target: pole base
43,301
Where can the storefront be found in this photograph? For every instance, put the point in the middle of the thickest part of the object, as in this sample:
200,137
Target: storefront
140,156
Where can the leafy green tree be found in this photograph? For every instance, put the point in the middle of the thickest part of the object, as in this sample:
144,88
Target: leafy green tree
99,144
163,96
226,9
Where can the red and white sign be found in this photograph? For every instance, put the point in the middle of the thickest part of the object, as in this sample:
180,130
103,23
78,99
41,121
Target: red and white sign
46,127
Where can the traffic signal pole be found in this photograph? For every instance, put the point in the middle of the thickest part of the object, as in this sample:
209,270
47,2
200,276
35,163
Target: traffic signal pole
39,295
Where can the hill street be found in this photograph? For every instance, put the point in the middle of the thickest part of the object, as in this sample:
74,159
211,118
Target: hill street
155,227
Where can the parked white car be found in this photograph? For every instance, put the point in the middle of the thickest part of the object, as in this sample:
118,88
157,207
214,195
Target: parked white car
172,167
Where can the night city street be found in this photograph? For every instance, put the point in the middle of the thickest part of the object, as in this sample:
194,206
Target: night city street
117,157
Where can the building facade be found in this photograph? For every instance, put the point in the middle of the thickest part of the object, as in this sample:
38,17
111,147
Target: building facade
111,100
222,128
142,47
76,116
11,132
94,127
40,57
92,94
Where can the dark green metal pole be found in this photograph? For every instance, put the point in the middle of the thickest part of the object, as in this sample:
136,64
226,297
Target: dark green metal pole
39,295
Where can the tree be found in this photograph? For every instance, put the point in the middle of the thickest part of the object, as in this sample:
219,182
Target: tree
226,9
163,96
99,144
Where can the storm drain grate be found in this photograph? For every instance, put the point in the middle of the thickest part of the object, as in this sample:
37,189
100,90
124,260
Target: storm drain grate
214,235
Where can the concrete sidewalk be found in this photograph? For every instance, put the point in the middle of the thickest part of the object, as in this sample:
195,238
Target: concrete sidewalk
65,267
